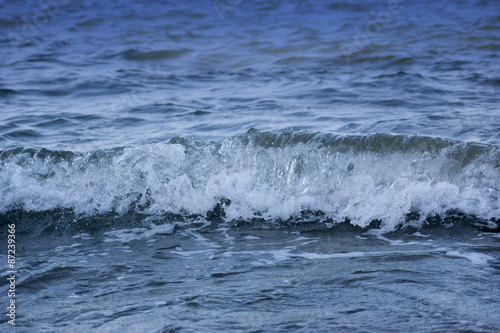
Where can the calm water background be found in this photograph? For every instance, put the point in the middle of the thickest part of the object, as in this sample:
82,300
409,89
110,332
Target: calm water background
118,73
252,165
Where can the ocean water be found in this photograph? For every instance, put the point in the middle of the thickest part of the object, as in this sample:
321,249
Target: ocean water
251,166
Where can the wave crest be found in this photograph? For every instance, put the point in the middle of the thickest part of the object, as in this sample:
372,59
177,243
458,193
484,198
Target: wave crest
267,175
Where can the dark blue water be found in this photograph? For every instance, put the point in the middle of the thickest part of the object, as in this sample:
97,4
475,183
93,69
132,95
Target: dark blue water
252,165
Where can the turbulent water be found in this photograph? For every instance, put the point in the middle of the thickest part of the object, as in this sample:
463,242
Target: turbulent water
254,166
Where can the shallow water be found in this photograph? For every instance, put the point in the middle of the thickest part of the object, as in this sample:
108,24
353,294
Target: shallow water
167,276
251,165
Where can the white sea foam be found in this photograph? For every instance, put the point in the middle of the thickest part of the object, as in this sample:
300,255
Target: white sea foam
418,234
474,257
127,235
249,237
83,235
64,248
263,175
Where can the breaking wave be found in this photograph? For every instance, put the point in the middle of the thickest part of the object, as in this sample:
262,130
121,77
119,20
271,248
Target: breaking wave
393,179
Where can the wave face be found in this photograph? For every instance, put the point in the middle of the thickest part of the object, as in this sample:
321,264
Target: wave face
263,175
